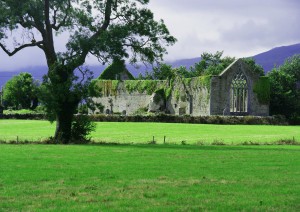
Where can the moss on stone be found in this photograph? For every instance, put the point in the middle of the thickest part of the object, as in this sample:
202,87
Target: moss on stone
177,94
168,92
204,81
187,81
132,85
159,95
196,82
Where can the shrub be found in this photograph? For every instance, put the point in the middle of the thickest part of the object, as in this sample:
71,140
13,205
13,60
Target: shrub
141,111
262,90
40,109
246,143
200,143
82,126
83,109
218,143
287,142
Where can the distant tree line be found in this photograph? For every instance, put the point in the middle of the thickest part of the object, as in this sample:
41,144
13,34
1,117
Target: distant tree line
210,64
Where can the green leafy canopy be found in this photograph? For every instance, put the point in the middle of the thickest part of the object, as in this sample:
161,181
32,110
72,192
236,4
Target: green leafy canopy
285,92
21,91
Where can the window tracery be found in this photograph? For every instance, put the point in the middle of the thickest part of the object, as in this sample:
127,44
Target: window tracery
239,94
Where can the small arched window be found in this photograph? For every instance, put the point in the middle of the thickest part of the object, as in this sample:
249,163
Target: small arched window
239,94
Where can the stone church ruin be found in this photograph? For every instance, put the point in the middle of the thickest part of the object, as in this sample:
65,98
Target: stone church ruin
236,91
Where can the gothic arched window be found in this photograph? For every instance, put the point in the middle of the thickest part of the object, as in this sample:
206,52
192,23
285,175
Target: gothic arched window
239,94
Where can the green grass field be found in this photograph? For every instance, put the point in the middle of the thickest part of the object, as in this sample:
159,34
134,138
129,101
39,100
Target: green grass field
144,177
144,132
149,178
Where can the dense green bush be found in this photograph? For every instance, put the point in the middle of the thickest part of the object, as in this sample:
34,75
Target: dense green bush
82,126
20,92
262,90
285,89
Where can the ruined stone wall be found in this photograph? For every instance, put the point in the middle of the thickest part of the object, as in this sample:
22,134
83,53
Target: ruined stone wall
199,96
191,96
123,96
220,91
187,96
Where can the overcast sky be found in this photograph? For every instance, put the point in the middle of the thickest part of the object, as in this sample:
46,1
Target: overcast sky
239,27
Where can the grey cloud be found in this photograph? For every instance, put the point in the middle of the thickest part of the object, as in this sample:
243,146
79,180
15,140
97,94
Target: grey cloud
273,31
228,5
241,26
235,26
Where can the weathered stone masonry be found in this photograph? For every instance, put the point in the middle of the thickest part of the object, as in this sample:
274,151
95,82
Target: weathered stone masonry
230,93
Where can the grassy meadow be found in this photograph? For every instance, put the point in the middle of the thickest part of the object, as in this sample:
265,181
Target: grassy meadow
149,178
143,132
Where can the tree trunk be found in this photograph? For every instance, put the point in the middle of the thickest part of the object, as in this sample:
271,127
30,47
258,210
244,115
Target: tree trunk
64,120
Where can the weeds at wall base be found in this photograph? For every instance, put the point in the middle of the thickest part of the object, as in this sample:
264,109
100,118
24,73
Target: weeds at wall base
287,142
166,118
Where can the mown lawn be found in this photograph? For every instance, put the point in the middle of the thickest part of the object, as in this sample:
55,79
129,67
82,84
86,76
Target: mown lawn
144,132
149,178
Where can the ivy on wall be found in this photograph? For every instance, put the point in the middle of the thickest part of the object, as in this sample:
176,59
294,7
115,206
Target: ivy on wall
203,81
99,88
141,86
177,94
166,88
262,90
196,82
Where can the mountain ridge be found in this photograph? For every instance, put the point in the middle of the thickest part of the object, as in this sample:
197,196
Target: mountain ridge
276,56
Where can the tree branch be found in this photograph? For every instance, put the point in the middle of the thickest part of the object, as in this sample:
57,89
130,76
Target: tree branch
26,24
107,15
107,18
57,27
48,38
16,50
83,75
54,18
47,20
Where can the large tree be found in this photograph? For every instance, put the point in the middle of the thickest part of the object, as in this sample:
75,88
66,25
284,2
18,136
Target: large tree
107,29
21,91
285,88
